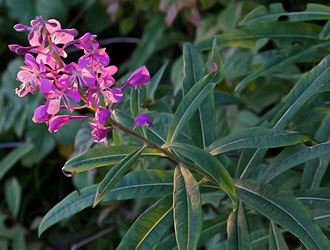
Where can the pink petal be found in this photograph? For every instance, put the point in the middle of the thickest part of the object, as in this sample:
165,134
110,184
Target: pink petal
54,106
56,122
112,96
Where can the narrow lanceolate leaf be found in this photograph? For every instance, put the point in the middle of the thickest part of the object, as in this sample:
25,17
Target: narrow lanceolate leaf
13,194
315,170
211,227
278,63
259,239
276,239
187,209
285,210
257,137
103,156
283,33
149,228
293,156
314,198
189,104
154,82
276,10
303,91
292,103
237,230
14,156
114,175
325,33
209,165
193,70
137,184
249,160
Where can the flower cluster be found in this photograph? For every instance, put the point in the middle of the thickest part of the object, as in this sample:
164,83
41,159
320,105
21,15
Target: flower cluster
65,86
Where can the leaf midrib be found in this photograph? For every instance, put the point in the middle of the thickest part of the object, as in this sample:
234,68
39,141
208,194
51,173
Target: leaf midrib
270,201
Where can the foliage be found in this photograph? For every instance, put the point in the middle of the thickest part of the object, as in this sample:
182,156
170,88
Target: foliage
238,154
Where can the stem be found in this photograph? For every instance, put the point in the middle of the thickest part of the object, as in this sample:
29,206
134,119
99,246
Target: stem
148,143
153,145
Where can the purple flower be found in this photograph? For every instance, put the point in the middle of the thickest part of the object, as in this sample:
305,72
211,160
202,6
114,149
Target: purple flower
40,113
56,122
99,133
90,79
138,78
87,42
142,119
101,115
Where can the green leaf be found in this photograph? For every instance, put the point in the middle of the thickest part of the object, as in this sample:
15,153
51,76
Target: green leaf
304,89
193,71
285,210
276,239
259,239
154,82
210,228
19,10
103,156
314,198
187,210
283,33
237,230
137,184
152,35
52,9
208,164
193,68
189,104
249,160
13,157
13,194
280,62
114,175
293,156
315,170
149,228
257,137
223,98
276,11
325,33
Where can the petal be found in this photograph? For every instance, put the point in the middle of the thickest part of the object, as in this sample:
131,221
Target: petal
142,119
113,95
56,122
52,25
102,115
100,134
54,106
40,113
139,77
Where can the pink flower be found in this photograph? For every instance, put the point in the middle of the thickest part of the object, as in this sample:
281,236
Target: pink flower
138,77
87,42
101,115
99,133
29,76
90,79
142,119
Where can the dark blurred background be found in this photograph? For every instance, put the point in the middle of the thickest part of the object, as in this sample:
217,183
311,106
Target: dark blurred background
134,33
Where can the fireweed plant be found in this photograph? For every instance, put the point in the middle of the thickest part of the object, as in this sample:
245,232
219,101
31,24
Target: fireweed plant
232,192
